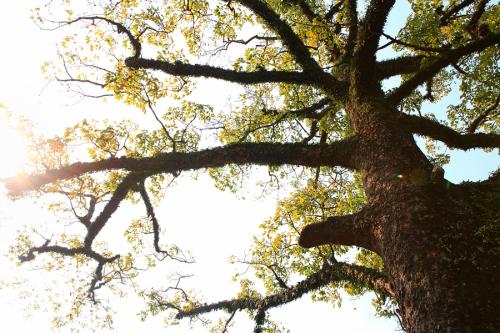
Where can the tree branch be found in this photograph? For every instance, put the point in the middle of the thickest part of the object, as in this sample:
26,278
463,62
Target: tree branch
183,69
46,248
71,252
352,17
482,117
367,277
308,112
134,41
397,66
315,75
415,47
288,36
259,319
452,10
313,130
448,58
371,29
94,284
480,7
353,229
334,9
156,227
118,195
447,135
306,9
228,322
340,153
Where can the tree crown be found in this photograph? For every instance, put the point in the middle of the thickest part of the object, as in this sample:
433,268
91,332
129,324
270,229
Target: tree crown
308,74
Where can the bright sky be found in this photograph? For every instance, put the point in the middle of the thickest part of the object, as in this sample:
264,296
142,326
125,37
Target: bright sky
219,225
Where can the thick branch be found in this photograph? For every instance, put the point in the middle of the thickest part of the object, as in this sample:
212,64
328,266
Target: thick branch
329,273
288,36
183,69
480,7
85,220
334,9
447,135
372,26
259,319
352,16
452,10
339,230
341,153
306,9
402,65
427,72
118,195
46,248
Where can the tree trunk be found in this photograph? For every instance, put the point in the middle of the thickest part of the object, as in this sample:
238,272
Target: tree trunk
441,248
440,242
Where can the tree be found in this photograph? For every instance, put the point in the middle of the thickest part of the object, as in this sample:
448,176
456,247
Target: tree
315,111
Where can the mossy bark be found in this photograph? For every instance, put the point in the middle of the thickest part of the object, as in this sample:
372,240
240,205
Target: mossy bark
440,242
441,253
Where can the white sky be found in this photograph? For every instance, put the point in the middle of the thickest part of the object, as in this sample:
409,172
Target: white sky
219,225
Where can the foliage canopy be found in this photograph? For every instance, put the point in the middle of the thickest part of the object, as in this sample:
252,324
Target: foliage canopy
303,65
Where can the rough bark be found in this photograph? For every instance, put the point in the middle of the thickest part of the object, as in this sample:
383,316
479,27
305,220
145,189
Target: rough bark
439,242
441,256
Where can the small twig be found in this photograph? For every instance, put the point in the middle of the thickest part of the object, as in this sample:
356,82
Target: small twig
482,117
416,47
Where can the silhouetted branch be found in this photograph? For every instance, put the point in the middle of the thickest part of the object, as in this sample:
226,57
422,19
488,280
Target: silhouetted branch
430,70
353,229
452,10
371,28
228,322
483,116
445,134
156,227
476,16
96,281
341,153
306,9
334,9
397,66
259,319
288,36
184,69
118,195
367,277
416,47
136,44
